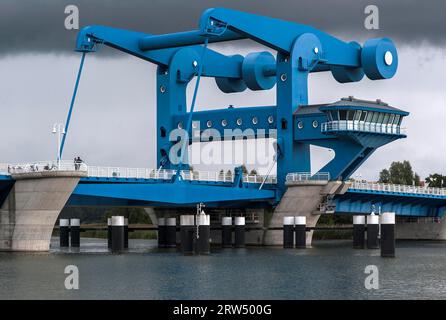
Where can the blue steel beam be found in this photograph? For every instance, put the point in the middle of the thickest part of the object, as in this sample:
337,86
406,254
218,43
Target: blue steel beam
180,39
128,41
182,193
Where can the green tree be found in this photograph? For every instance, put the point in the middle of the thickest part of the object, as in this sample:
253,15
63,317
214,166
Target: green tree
399,173
436,180
384,176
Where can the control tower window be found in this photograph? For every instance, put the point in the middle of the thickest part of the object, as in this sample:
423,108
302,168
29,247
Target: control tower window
392,117
380,118
369,117
350,115
342,114
358,115
386,118
363,116
375,117
397,119
334,115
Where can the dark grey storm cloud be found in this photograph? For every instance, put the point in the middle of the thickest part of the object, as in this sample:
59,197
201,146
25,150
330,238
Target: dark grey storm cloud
38,25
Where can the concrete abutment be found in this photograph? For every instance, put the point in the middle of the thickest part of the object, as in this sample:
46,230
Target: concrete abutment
30,211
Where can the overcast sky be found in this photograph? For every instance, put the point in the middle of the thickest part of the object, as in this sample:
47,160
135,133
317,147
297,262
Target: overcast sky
113,122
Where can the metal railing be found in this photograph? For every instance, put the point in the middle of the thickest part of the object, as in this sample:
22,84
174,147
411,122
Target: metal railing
360,126
305,176
168,174
398,188
4,169
131,173
42,166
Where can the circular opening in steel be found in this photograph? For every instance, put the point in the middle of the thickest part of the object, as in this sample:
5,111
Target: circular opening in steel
388,58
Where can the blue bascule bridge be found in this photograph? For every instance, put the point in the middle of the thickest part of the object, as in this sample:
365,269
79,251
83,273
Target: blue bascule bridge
352,128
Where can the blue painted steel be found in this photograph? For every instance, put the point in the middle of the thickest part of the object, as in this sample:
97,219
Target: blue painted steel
187,38
301,51
403,204
73,99
192,107
180,193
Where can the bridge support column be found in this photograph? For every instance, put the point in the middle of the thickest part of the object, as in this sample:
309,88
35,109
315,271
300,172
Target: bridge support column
302,198
29,213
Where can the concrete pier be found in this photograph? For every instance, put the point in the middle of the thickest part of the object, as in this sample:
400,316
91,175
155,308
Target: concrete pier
30,211
302,198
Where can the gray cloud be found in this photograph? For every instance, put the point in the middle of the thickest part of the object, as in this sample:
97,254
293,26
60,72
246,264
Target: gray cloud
30,25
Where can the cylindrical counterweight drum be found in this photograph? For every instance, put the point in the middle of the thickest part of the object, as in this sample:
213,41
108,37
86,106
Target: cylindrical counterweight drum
300,229
75,232
388,234
117,233
126,233
109,233
171,232
372,232
64,232
358,232
161,232
288,232
239,231
226,232
187,225
204,232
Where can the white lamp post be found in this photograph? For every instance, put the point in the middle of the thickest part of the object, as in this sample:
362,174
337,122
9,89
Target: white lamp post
59,129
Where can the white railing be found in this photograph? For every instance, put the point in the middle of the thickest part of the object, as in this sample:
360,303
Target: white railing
398,188
4,169
168,174
305,176
131,173
41,166
361,126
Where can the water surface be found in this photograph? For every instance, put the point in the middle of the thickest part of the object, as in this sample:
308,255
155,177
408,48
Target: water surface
329,270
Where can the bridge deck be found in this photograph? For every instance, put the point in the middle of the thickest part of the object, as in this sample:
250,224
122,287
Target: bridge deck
154,187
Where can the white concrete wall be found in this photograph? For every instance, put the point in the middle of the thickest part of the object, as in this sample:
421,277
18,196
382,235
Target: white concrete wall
28,215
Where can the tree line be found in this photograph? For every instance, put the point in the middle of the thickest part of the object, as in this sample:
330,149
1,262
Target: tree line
402,173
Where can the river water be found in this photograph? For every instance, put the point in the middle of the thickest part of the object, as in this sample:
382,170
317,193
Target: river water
329,270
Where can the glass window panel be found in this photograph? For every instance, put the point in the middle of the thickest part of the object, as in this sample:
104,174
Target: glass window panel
375,117
380,118
335,115
386,118
350,114
392,116
369,116
358,115
330,118
363,116
342,114
397,119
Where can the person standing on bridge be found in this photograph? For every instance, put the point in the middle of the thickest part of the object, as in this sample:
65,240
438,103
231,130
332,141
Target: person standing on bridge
77,163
